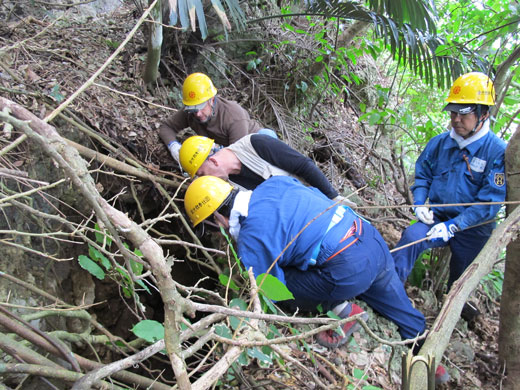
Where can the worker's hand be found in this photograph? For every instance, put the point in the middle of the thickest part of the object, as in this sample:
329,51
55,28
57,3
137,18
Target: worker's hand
442,231
345,201
424,214
174,147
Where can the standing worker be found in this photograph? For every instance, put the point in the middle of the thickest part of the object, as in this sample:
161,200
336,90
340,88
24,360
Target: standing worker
251,160
463,165
209,115
324,254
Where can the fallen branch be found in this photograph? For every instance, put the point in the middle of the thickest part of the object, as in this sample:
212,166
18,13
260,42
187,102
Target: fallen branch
441,330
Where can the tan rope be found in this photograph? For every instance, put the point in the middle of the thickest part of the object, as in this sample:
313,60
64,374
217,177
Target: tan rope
439,205
425,238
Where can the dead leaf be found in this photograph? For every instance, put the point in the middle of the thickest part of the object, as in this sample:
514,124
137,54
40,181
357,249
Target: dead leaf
31,76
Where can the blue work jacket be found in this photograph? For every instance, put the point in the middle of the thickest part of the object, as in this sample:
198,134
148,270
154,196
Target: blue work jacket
444,173
288,220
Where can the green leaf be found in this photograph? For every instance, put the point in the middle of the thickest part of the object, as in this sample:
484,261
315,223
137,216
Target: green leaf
99,257
243,359
223,331
370,387
236,322
257,354
359,374
240,304
511,100
89,265
273,332
144,286
408,120
137,268
273,288
235,256
442,50
224,280
374,118
127,292
56,94
101,237
149,330
331,314
269,305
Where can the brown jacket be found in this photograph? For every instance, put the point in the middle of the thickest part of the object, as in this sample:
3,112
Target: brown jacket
229,123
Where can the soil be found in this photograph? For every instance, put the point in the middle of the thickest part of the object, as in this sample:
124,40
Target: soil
50,57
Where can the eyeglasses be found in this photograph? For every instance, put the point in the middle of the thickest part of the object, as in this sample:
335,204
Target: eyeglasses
195,109
454,115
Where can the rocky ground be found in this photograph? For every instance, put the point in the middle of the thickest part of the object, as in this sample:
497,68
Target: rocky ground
46,56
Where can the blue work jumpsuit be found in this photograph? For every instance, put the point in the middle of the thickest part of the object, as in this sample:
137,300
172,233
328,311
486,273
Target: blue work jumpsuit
320,262
446,174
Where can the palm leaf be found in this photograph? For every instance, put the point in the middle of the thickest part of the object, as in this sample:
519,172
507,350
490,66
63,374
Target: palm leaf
221,13
237,14
414,47
183,14
420,14
189,12
172,4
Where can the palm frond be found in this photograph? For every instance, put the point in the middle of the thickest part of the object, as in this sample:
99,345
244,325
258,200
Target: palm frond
412,46
189,12
420,14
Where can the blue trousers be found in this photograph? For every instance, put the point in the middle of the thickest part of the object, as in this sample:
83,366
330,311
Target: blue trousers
465,246
365,270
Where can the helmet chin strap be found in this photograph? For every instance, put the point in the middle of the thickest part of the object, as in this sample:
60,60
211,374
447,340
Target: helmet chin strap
479,121
212,112
213,106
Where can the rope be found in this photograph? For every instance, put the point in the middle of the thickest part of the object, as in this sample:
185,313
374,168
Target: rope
425,238
439,205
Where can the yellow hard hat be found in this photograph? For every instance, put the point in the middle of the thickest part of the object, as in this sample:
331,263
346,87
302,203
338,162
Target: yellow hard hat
204,196
194,151
472,88
197,89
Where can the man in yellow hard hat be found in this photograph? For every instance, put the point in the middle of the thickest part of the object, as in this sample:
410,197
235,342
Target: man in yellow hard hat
209,115
251,160
325,254
462,165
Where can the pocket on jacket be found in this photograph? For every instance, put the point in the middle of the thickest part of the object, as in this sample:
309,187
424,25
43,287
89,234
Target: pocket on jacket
439,186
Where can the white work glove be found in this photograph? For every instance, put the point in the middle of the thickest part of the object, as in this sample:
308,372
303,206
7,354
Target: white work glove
424,214
345,201
174,147
442,231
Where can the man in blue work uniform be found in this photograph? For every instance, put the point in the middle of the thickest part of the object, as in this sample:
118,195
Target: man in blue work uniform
463,165
324,253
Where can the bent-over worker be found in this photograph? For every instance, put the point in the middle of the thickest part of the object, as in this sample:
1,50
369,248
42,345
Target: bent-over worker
251,160
337,257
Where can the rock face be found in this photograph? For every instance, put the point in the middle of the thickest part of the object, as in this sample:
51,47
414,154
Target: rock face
54,8
99,7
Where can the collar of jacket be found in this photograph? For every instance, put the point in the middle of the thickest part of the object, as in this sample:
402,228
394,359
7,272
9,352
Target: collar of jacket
471,143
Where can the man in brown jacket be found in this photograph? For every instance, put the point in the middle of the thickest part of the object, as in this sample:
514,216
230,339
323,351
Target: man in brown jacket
208,115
